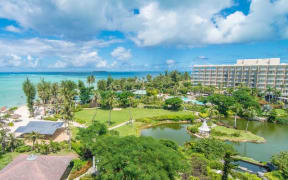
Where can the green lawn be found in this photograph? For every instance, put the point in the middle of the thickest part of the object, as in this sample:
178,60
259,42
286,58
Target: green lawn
5,159
244,136
122,115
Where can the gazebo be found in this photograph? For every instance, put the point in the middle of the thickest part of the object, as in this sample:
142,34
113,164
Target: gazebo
204,130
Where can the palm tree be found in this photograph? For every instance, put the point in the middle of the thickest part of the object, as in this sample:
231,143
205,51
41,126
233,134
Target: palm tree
3,139
111,101
44,92
90,80
236,108
68,92
250,113
269,91
12,142
30,92
33,137
96,99
212,110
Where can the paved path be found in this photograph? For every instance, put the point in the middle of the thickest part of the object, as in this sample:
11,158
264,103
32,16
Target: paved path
119,125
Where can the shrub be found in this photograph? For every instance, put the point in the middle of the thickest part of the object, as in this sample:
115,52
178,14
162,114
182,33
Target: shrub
236,134
50,118
23,148
10,124
171,117
281,161
80,121
79,168
152,107
214,164
193,129
282,120
218,133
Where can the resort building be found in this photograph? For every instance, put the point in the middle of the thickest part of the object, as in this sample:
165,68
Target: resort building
32,167
254,73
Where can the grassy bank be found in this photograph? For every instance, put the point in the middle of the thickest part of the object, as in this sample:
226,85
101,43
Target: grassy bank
230,134
5,159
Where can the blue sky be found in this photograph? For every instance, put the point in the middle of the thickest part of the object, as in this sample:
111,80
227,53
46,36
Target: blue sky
133,35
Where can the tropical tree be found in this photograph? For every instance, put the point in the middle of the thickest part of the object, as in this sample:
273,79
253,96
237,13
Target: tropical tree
111,101
269,92
12,142
173,103
90,80
137,158
250,114
44,92
228,165
33,137
68,92
281,161
237,109
30,93
3,139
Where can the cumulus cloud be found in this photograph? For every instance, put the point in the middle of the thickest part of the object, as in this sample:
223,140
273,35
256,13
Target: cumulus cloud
14,60
29,52
12,28
189,23
121,53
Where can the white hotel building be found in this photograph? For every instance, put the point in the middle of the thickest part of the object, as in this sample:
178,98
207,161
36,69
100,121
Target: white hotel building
255,73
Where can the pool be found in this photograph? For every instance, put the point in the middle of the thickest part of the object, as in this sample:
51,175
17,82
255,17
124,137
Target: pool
185,99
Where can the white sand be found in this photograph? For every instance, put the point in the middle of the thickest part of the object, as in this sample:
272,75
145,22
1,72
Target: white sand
25,119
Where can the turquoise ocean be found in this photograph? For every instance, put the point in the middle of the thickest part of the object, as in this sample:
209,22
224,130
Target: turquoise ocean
11,93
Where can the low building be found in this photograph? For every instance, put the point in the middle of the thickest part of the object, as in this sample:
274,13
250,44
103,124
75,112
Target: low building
32,167
47,128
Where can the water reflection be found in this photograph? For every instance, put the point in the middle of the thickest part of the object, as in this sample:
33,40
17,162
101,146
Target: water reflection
276,137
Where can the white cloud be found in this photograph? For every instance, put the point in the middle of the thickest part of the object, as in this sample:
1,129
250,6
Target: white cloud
59,64
170,61
14,60
29,52
12,28
189,23
121,53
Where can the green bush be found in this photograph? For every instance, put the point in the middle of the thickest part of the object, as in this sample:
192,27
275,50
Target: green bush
152,107
80,121
193,129
50,118
10,124
170,117
218,133
236,134
23,148
282,120
214,164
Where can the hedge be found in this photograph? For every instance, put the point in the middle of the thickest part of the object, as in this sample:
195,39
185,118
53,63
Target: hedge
170,117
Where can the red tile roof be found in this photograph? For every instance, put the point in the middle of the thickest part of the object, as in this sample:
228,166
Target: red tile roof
41,168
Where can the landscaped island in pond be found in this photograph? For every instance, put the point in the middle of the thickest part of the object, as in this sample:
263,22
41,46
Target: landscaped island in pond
228,134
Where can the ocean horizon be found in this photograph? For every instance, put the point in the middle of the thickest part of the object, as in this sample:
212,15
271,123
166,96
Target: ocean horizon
11,93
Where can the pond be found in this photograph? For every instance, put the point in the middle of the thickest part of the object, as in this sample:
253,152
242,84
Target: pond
276,137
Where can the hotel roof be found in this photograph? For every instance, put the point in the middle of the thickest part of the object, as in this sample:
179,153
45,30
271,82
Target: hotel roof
42,127
27,167
250,62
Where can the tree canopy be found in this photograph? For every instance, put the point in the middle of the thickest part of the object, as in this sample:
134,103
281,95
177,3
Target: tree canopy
136,158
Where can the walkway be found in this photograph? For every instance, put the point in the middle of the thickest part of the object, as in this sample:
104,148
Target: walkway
119,125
